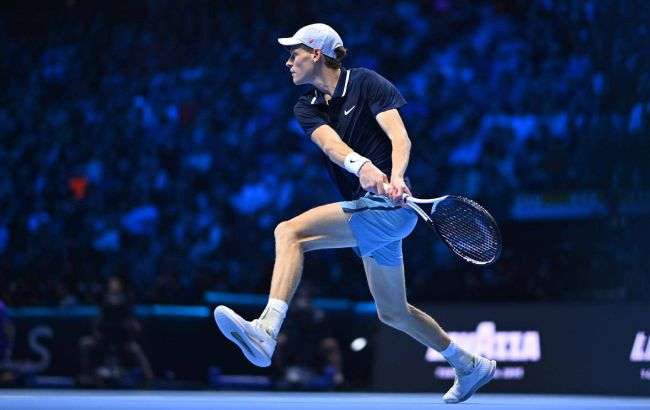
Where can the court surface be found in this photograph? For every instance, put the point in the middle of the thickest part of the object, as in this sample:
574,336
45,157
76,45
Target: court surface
120,400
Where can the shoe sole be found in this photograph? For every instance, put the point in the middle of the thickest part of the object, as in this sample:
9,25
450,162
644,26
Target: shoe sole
234,331
480,383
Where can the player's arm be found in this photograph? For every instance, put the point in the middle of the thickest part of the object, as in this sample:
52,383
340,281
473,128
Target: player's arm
392,124
370,177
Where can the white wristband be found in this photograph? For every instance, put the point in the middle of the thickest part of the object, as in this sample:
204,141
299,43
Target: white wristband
353,162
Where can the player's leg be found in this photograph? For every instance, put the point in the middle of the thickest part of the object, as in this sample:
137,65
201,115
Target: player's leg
387,286
319,228
323,227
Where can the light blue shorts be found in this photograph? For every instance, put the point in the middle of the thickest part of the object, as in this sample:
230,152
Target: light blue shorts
379,227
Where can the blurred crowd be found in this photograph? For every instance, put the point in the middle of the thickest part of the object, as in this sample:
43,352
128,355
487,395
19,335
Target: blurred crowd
155,141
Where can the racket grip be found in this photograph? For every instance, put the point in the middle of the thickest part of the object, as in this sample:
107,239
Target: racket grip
404,195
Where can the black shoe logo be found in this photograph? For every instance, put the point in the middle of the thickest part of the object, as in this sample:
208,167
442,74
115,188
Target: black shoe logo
237,336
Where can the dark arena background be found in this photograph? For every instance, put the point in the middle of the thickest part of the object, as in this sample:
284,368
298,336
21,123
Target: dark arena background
148,149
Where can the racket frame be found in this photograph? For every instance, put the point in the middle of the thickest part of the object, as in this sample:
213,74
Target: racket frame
412,202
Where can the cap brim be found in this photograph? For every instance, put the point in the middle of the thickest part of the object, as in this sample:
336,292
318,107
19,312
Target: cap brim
289,41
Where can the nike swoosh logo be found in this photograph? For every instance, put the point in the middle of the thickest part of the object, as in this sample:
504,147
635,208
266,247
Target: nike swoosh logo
346,112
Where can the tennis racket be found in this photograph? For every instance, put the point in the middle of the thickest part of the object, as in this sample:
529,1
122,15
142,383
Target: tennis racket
464,226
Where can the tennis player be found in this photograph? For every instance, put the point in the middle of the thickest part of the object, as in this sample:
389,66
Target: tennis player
352,115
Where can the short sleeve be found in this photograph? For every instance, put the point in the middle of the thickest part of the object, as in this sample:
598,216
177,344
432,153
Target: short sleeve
382,94
309,116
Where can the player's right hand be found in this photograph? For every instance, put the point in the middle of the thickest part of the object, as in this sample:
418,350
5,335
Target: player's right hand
372,179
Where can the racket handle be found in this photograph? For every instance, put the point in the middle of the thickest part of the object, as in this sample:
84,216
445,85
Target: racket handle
404,195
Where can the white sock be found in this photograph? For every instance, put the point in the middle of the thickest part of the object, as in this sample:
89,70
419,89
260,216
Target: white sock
458,358
273,316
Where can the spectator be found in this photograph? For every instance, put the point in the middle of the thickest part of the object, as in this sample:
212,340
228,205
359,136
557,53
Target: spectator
308,356
113,346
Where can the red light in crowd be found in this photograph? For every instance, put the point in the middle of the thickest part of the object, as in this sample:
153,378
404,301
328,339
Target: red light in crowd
78,186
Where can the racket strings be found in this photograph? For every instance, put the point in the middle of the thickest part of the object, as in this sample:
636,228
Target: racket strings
468,229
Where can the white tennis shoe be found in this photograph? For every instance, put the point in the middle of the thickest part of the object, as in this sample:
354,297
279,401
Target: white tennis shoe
466,384
256,344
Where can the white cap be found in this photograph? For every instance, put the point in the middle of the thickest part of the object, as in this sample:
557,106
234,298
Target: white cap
316,35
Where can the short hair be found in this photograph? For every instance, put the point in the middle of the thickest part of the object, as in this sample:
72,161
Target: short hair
330,62
335,63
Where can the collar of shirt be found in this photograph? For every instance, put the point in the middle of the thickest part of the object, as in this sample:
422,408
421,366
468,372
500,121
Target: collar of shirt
340,90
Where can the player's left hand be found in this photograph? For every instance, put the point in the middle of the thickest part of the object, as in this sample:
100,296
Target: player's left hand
397,189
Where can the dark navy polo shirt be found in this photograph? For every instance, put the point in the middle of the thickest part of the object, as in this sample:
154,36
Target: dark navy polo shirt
359,96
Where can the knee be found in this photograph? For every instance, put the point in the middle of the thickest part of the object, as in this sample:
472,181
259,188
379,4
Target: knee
286,234
394,317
